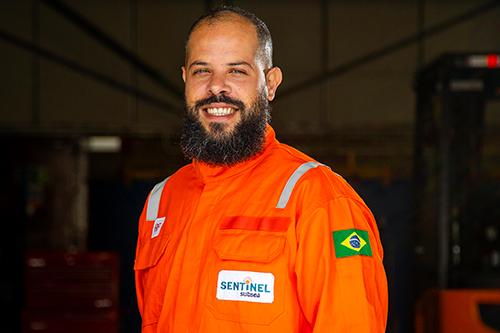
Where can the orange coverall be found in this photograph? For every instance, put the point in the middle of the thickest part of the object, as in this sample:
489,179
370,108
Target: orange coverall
276,244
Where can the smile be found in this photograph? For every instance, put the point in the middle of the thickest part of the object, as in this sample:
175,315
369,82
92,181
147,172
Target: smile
220,111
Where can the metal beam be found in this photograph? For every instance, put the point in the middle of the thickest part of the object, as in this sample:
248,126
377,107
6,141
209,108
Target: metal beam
421,29
35,63
114,46
89,72
391,48
325,56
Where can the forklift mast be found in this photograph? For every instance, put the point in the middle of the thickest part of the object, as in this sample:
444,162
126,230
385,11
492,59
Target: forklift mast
455,221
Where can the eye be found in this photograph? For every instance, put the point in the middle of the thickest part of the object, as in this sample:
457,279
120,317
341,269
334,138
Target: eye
237,71
200,71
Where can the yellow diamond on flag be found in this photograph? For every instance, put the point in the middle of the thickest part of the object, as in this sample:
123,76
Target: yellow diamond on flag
354,242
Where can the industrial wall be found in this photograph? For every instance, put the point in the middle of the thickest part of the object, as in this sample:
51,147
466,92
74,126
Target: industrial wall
40,93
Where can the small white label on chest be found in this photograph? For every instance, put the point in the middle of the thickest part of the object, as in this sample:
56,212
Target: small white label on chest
157,227
245,286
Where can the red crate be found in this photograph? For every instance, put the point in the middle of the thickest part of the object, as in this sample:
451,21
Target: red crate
75,321
71,292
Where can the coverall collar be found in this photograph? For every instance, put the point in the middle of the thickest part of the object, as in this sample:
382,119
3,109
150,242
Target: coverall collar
207,173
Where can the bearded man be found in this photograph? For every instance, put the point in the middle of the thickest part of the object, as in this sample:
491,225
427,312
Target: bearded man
253,235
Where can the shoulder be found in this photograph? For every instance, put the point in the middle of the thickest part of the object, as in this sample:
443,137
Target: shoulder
306,171
307,183
176,180
186,173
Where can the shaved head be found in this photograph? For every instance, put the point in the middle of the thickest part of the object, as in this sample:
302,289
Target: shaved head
264,51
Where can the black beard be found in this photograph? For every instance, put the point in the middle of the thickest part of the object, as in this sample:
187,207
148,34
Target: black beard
221,148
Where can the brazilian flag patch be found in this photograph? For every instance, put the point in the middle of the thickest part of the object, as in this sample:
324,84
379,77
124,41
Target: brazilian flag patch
351,242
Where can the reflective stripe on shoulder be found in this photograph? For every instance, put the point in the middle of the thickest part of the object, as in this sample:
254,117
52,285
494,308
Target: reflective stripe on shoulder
154,201
290,184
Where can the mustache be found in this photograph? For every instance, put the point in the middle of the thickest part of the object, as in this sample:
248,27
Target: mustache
221,98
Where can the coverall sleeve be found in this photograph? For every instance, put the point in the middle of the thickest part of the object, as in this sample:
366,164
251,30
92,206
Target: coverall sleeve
139,274
340,294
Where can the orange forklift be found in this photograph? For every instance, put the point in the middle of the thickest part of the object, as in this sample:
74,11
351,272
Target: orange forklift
455,222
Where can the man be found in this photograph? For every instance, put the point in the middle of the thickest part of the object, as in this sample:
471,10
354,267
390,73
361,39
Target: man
253,236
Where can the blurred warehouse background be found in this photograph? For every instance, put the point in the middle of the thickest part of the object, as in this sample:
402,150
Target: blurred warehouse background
401,97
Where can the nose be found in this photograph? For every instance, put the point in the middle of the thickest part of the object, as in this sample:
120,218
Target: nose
218,85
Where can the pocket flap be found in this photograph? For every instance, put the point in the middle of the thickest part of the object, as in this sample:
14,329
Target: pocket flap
244,238
272,223
150,252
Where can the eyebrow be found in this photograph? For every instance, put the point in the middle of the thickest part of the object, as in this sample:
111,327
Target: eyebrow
198,63
241,63
202,63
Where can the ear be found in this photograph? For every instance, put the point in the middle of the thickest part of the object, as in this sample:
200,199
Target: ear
273,80
184,74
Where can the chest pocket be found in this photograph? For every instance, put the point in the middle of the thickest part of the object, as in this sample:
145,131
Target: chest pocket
248,279
150,252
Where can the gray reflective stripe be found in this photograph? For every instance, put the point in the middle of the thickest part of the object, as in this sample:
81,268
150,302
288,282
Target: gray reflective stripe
290,184
154,201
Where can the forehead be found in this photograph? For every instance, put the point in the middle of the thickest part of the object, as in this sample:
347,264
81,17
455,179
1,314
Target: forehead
224,35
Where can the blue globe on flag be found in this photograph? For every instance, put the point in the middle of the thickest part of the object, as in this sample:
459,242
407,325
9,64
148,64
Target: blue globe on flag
355,242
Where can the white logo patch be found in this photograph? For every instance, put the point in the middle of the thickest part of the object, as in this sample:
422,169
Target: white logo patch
157,226
245,286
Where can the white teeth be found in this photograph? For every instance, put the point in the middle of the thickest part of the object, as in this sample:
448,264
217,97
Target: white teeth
220,111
